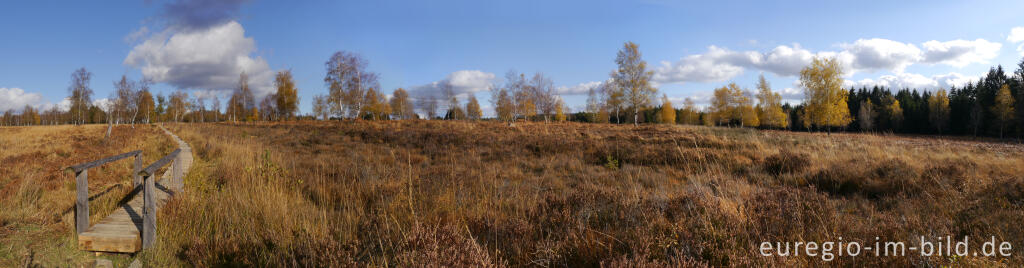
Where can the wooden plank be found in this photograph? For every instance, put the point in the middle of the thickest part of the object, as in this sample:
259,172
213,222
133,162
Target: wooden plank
108,243
125,220
120,219
113,230
123,224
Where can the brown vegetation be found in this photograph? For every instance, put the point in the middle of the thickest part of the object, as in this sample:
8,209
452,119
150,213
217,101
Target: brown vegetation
429,193
37,197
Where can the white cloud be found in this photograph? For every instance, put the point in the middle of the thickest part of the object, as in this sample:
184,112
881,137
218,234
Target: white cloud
881,54
1017,36
63,106
470,81
16,99
914,81
718,64
786,61
463,83
792,94
960,53
864,55
580,89
209,59
104,104
949,80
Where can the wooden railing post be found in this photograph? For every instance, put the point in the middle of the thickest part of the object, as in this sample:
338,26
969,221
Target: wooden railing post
136,178
82,201
149,196
149,212
176,168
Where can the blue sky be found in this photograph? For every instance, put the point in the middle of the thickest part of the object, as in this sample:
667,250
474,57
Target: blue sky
693,47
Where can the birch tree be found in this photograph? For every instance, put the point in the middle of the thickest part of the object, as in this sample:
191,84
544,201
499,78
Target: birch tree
633,78
824,96
347,80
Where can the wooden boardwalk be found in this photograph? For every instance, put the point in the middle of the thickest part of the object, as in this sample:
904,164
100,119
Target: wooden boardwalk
121,230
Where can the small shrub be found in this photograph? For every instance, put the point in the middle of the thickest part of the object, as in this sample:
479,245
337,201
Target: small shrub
893,177
786,162
442,246
611,163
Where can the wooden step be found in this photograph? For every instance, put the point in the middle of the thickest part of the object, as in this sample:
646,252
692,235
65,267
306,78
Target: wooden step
106,241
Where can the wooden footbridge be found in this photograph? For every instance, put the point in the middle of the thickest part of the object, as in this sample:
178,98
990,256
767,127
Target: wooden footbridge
132,227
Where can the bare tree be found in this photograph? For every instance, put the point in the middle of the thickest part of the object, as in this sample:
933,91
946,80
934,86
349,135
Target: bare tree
215,107
200,105
866,115
454,112
522,94
613,97
543,95
268,108
593,105
242,102
143,101
347,79
977,115
320,107
122,92
81,95
178,104
110,108
428,104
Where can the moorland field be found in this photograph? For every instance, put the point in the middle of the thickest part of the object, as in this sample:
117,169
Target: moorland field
443,193
37,197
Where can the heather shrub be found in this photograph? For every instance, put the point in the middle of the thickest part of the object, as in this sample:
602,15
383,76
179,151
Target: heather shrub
786,162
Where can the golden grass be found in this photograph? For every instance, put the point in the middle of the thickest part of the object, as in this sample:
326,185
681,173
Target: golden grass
429,193
37,197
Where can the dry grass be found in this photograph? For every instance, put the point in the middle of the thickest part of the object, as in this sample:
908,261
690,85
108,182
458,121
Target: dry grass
37,197
428,193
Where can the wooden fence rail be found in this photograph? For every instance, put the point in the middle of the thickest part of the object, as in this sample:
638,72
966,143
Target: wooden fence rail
81,172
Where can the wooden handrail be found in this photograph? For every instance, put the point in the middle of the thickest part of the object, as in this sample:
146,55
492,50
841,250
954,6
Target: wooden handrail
83,166
82,185
152,168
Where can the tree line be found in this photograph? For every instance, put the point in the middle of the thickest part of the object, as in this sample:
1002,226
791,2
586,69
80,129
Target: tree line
133,102
987,107
354,92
